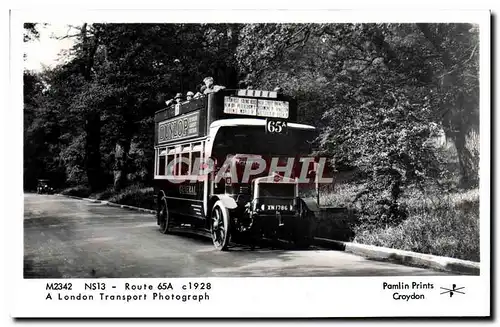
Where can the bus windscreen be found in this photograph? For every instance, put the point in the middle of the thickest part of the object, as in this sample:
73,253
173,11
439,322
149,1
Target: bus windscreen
253,140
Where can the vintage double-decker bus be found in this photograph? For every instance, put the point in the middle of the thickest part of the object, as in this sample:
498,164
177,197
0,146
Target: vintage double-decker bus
230,163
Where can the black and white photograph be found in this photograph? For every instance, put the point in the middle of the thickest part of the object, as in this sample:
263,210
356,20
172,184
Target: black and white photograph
164,157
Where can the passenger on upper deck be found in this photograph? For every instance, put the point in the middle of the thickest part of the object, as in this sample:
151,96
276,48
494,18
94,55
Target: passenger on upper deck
178,98
210,87
200,92
189,96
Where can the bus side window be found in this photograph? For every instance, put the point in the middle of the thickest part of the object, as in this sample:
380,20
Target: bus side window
161,166
195,163
183,164
182,159
170,164
160,161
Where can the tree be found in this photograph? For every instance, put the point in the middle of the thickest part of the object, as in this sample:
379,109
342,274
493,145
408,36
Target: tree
30,32
456,47
375,93
72,93
137,63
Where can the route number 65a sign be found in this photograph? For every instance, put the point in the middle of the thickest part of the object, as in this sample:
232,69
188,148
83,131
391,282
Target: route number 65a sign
276,126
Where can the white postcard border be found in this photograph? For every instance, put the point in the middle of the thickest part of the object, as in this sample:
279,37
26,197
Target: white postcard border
256,297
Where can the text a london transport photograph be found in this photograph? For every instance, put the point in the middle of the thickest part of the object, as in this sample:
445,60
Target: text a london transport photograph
251,150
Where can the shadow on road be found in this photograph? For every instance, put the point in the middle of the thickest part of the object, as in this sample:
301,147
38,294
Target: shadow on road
244,245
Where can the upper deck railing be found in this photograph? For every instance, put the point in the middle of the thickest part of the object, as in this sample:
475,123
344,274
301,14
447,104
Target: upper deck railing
192,118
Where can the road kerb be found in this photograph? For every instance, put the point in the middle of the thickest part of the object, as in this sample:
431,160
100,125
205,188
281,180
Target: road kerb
373,252
111,204
404,257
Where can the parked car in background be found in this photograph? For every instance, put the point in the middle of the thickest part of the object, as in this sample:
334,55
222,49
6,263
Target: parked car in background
44,187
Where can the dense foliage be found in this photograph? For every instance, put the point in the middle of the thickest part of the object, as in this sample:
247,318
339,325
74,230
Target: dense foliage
381,94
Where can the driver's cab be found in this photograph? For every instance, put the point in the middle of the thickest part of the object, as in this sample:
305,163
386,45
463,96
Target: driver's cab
244,140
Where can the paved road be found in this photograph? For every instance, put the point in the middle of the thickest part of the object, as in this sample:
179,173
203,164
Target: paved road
69,238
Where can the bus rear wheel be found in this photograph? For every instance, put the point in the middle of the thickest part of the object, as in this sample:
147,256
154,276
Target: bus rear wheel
164,217
220,226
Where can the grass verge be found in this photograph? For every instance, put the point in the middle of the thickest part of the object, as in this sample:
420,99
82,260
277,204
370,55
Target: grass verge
136,196
79,190
444,225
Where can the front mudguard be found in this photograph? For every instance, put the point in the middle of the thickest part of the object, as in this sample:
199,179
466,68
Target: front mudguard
228,201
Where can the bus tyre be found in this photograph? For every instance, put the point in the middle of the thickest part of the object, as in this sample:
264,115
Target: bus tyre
220,226
164,218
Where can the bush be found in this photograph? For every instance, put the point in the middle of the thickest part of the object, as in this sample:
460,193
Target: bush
439,225
104,195
79,190
341,195
136,196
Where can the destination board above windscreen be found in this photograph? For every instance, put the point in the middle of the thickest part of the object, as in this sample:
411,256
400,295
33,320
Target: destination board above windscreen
256,107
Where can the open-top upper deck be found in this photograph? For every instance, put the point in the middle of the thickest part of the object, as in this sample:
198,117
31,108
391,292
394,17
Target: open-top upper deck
192,119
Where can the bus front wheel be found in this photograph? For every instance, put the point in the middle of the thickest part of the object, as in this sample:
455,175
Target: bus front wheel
220,226
164,217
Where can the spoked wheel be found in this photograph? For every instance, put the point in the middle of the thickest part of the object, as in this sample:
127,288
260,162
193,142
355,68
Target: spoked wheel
220,226
164,217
